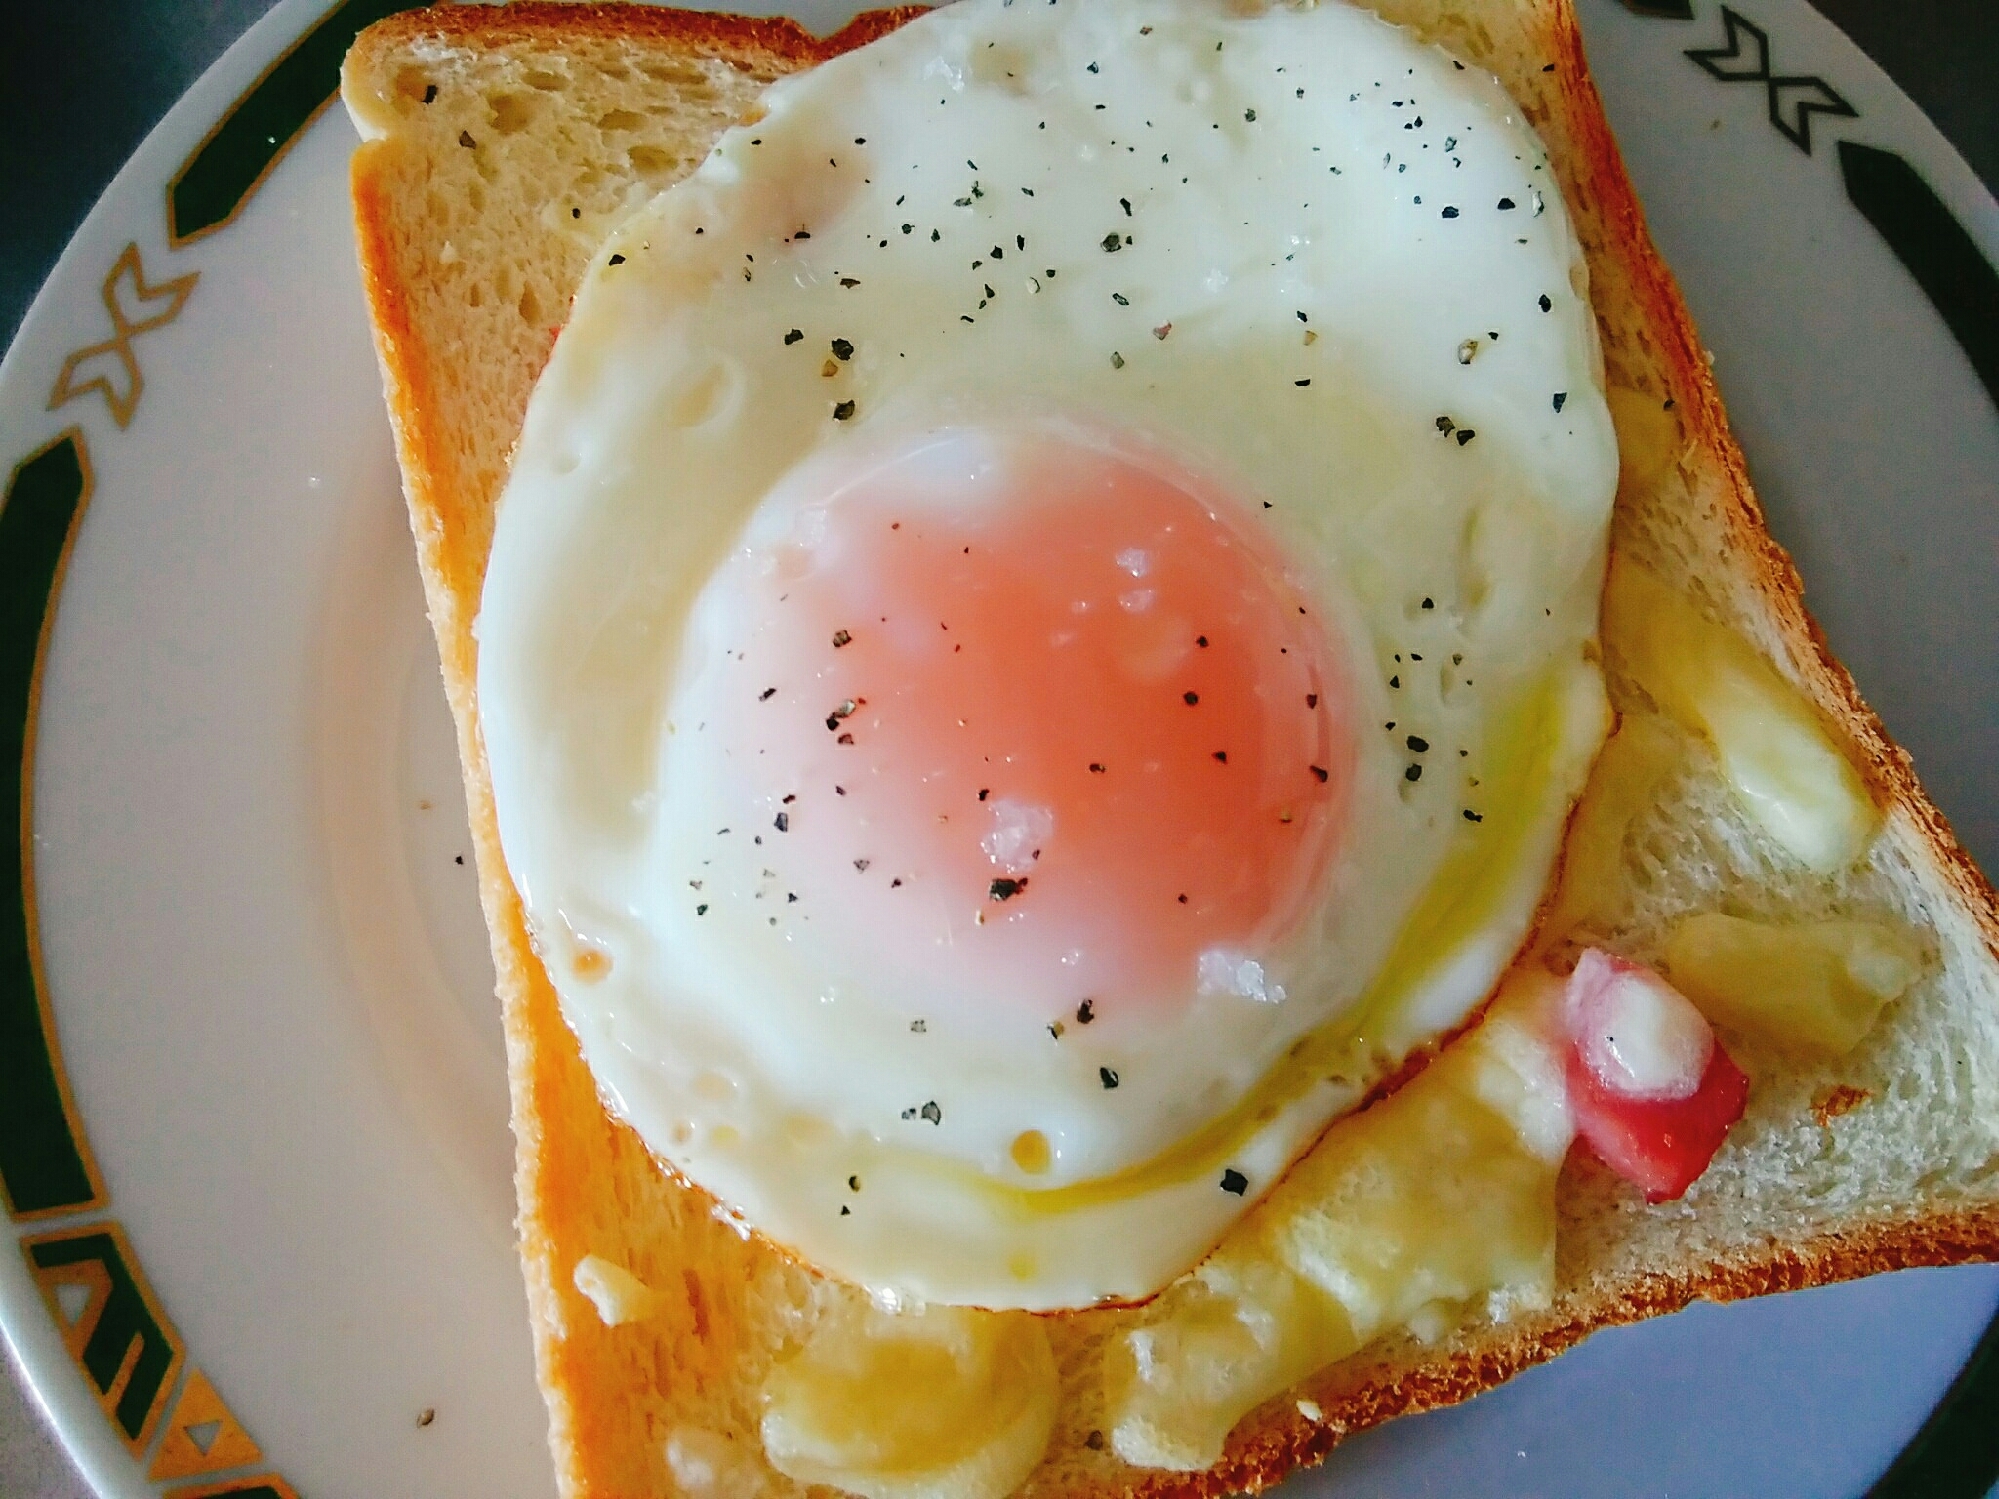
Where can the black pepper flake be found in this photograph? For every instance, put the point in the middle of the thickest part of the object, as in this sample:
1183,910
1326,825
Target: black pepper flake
792,337
1190,698
1561,399
1506,204
1429,603
1086,1012
1096,767
929,1111
918,1027
430,93
782,822
845,1211
800,234
1234,1181
700,910
1095,1440
1250,115
617,260
984,792
1113,243
935,236
1445,424
842,350
1311,699
1201,641
1005,889
849,739
1465,435
1413,773
1120,298
465,139
1222,757
1471,816
842,411
1125,204
1418,744
1117,360
1395,681
1319,773
1450,213
1183,900
840,638
1091,68
1107,1077
1301,383
767,694
906,228
862,865
1546,305
849,281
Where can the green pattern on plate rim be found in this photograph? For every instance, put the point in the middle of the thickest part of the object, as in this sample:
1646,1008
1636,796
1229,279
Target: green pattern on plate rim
117,1333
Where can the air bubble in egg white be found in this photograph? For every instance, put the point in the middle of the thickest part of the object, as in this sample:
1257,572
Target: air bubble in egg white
1224,971
1019,828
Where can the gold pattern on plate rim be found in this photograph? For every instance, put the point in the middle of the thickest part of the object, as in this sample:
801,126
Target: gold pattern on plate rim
202,1435
127,294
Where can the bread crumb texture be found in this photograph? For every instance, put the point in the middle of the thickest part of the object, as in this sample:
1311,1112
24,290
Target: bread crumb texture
499,146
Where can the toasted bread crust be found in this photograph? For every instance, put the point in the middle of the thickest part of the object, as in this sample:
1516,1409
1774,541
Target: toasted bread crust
776,41
580,1172
1369,1390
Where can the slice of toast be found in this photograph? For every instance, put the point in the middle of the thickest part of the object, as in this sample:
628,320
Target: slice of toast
501,143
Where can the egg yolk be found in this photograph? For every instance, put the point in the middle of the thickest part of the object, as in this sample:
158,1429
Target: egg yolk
1037,723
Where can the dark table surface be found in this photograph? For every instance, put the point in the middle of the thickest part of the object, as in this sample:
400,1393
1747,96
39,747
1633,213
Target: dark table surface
81,84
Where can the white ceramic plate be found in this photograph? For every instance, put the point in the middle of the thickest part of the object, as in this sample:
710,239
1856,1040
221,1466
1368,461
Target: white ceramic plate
261,1187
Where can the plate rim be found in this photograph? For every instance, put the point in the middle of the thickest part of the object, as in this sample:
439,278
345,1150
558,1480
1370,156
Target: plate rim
272,81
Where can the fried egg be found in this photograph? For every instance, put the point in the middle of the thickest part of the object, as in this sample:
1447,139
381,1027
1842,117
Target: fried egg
1039,638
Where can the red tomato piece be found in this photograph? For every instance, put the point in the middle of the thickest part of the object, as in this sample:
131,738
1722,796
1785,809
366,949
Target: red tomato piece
1617,1010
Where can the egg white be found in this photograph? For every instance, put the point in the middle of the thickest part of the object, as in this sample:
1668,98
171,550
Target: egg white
1074,177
